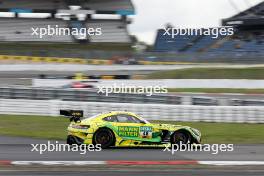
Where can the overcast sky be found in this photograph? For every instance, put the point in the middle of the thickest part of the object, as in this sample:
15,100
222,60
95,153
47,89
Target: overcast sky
153,14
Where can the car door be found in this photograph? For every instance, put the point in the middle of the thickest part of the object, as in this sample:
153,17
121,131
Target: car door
124,126
130,127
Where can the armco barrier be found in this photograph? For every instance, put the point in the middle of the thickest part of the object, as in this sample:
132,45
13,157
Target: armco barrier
234,114
85,96
35,59
91,95
169,83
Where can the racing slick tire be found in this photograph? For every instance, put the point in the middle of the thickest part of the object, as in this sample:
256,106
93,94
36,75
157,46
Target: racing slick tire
105,137
180,137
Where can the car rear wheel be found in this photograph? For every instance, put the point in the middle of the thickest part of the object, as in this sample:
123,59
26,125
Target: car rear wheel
180,137
105,137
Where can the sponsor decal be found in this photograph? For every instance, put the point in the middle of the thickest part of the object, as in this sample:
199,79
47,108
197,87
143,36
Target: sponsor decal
146,132
128,131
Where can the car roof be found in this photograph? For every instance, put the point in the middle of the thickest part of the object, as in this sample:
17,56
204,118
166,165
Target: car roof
120,112
105,114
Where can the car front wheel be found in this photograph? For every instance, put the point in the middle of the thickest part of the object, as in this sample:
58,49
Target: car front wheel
105,137
180,137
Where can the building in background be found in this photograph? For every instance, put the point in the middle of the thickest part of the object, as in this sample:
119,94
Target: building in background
248,39
19,16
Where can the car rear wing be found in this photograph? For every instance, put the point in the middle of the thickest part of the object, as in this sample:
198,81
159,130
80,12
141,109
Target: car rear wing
74,115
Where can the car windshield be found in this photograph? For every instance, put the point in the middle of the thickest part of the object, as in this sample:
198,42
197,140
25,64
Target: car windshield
144,120
94,116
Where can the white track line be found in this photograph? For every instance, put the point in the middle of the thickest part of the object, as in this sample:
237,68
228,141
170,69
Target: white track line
231,163
84,163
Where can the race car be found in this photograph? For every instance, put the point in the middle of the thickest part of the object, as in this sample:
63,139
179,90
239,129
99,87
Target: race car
125,129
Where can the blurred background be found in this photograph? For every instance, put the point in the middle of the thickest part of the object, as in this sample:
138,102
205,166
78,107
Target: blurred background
219,80
197,69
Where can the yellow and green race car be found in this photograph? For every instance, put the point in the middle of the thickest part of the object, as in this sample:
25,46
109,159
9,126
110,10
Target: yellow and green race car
125,129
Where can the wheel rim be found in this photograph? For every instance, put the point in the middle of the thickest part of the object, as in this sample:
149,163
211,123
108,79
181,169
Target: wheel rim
180,138
103,138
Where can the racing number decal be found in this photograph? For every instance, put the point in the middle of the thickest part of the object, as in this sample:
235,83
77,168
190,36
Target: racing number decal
146,132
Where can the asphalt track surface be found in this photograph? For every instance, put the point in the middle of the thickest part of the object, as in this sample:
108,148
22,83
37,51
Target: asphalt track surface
19,149
33,70
76,67
36,74
182,172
